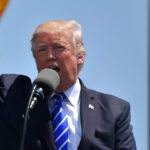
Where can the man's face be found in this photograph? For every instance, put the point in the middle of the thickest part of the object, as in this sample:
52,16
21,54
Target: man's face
56,51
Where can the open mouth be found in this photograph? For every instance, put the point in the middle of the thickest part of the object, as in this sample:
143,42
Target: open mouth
57,69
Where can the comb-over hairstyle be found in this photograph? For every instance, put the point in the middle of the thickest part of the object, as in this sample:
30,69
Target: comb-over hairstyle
58,26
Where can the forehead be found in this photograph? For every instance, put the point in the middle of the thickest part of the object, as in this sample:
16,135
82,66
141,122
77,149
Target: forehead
62,37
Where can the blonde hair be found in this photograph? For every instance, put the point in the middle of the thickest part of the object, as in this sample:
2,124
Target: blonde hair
58,26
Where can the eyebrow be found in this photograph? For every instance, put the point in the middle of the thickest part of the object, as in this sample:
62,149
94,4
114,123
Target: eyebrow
40,45
58,42
53,42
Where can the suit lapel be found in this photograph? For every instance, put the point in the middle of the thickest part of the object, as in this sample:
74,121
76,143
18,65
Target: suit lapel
88,112
47,134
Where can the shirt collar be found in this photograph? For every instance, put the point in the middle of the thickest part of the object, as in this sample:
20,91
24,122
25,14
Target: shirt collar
73,93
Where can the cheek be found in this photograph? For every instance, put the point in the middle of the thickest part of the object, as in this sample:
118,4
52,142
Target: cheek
39,63
72,66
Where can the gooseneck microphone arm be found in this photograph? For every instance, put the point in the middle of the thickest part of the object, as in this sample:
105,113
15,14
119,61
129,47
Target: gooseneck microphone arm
44,85
26,119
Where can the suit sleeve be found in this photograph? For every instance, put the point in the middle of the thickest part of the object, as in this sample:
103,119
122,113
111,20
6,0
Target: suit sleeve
124,136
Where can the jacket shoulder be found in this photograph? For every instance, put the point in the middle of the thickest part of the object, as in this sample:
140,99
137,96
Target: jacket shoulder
109,100
8,81
109,103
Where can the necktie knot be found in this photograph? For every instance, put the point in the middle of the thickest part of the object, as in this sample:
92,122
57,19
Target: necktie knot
59,97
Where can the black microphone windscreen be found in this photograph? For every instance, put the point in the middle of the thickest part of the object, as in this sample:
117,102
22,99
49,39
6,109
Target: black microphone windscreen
48,79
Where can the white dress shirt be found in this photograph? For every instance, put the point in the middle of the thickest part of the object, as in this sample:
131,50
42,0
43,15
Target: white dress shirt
72,108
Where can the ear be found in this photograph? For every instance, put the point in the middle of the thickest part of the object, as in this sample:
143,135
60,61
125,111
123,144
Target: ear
80,58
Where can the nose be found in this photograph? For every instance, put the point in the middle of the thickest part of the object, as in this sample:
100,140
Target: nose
51,54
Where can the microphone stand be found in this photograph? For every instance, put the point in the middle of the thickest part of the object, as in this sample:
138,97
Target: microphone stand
23,134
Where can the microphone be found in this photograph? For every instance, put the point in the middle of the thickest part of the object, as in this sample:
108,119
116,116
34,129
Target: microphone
44,85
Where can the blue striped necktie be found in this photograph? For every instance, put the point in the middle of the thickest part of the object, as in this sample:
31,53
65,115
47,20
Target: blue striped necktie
60,123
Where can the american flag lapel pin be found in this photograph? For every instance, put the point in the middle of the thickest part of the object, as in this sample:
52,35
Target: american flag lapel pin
91,106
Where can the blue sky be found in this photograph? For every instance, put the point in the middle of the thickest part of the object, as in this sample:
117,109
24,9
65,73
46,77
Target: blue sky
114,35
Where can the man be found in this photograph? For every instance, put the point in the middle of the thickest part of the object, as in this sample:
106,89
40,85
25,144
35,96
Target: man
96,121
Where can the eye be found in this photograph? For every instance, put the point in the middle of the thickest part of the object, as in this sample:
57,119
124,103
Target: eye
42,49
58,47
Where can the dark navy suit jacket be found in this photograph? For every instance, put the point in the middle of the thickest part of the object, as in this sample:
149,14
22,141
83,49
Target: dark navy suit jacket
105,119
